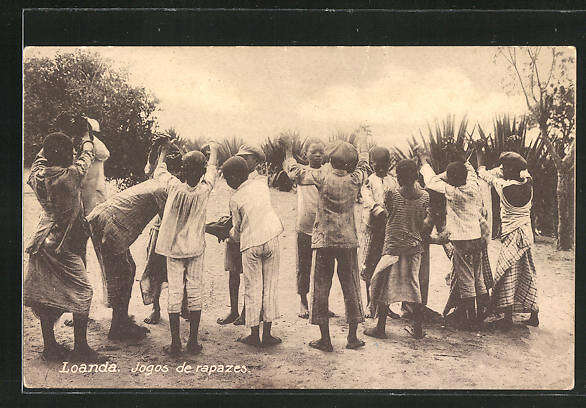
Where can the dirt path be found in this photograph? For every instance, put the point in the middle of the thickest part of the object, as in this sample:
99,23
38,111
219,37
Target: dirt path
536,358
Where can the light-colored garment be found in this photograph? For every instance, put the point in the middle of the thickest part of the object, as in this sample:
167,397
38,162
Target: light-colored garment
373,196
512,217
307,198
254,221
93,188
260,266
182,230
463,202
123,217
335,224
399,283
185,275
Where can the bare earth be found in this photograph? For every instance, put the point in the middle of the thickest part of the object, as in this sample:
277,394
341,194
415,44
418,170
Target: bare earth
525,358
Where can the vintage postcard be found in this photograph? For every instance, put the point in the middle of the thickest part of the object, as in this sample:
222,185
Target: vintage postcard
307,217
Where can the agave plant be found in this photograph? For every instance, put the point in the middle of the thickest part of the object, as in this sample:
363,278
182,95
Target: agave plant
228,148
275,153
352,137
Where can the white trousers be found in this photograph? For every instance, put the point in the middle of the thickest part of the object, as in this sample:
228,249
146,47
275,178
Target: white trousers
185,274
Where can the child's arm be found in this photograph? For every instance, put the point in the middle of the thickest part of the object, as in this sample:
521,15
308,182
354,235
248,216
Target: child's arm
211,174
360,174
297,172
100,150
369,202
161,173
84,160
236,221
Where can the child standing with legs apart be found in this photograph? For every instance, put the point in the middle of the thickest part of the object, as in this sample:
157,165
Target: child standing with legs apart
182,239
396,276
256,227
307,197
334,235
515,275
373,195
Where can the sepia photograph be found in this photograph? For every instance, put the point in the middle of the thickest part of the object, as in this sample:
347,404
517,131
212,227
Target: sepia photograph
298,217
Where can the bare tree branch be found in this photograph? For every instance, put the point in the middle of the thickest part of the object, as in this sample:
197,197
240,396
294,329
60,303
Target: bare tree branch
551,148
513,62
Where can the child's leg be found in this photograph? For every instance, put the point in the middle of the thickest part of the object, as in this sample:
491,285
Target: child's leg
193,286
155,316
175,277
380,330
270,276
52,351
81,348
321,283
349,281
233,288
304,252
253,288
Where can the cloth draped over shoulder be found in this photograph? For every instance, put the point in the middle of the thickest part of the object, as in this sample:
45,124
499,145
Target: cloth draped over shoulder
56,276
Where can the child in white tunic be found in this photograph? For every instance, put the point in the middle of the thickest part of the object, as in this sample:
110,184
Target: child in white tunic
182,239
256,227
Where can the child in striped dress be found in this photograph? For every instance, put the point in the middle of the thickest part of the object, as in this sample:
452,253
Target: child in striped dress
396,276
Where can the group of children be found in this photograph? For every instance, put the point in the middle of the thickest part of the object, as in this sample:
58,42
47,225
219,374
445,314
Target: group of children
398,234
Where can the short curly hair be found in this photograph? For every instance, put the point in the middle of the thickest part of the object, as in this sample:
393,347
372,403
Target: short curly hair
58,149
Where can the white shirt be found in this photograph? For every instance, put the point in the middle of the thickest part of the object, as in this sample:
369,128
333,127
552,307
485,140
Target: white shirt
373,194
254,221
182,230
464,203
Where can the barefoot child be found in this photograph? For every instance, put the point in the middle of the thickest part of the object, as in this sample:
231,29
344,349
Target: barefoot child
233,259
515,274
256,228
396,277
307,197
182,239
373,195
470,266
334,235
57,281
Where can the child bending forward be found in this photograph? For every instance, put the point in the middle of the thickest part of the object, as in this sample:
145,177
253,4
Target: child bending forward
182,239
256,227
406,230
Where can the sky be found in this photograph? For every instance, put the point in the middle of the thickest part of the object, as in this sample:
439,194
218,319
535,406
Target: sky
257,92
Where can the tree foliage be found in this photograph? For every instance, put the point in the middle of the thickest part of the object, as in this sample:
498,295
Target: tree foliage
84,83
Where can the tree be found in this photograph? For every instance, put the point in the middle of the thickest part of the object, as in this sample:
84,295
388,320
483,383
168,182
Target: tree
84,83
544,80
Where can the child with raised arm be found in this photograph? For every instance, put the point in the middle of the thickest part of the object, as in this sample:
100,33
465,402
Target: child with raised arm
307,198
396,276
471,275
515,275
334,235
256,228
182,239
373,196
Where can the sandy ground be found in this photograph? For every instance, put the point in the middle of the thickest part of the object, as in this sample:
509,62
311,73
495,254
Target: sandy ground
525,358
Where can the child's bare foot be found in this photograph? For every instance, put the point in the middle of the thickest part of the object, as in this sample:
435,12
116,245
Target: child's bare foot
304,315
250,340
322,345
154,318
375,332
532,321
354,344
231,318
193,348
87,354
240,321
173,350
56,352
269,340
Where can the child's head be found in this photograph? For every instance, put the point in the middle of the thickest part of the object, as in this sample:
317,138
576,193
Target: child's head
406,172
235,171
457,174
315,151
380,160
194,166
58,149
74,126
513,163
343,156
251,155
